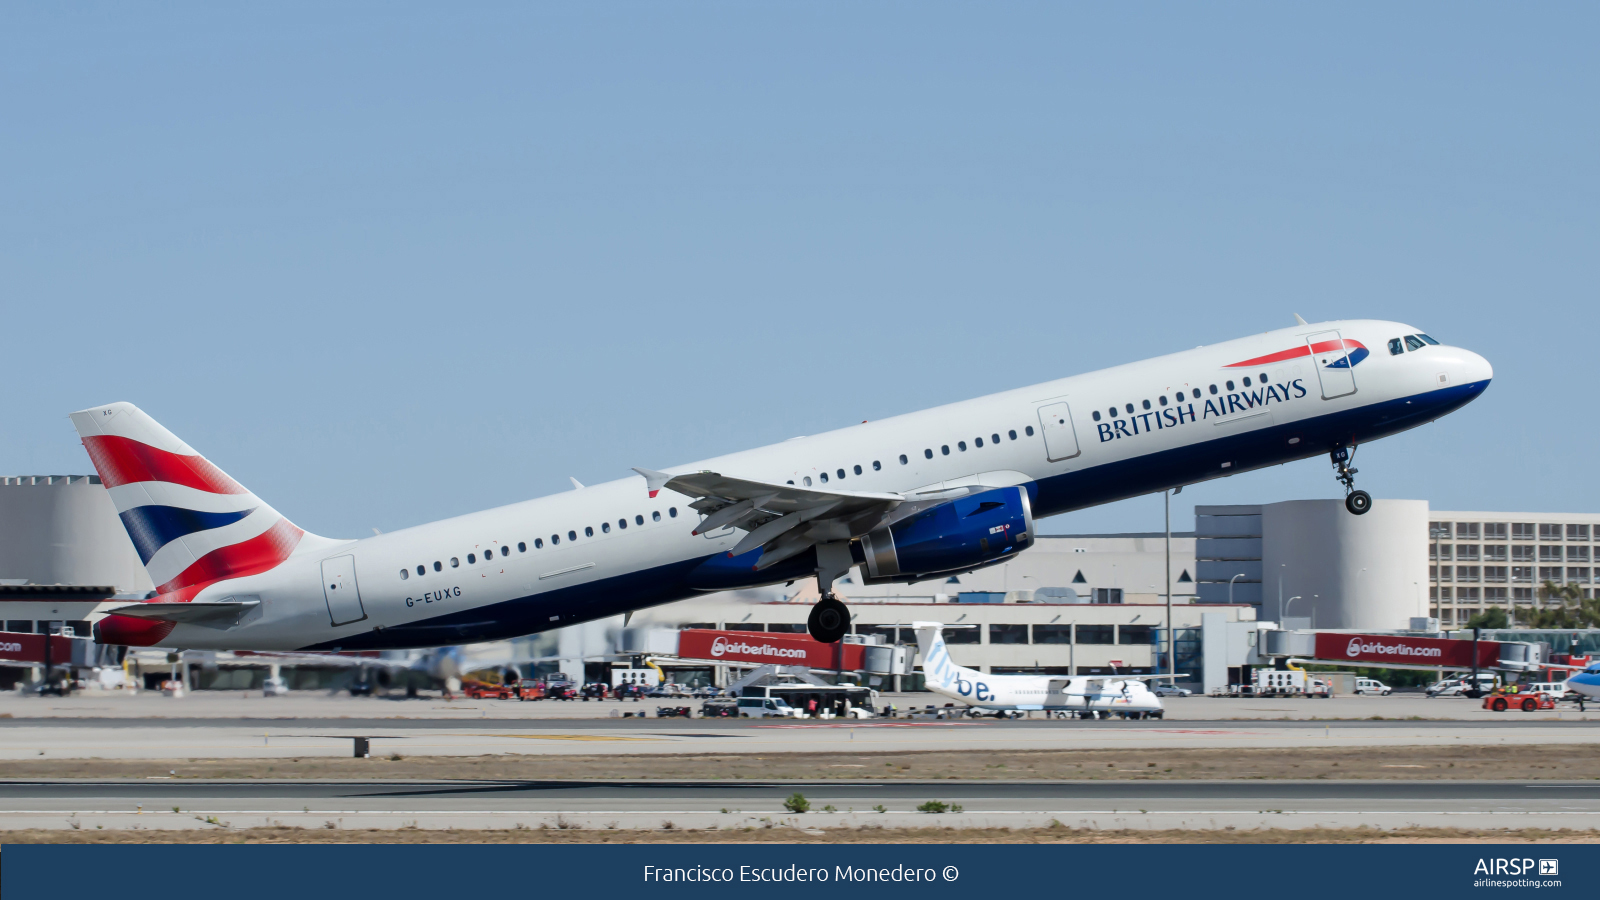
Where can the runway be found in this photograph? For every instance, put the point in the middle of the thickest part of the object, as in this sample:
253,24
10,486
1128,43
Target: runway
633,805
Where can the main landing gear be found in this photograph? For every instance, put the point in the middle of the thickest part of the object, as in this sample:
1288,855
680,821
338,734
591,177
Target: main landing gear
1358,502
829,619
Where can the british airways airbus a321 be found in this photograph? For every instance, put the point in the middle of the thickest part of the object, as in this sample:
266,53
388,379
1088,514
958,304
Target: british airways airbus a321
918,496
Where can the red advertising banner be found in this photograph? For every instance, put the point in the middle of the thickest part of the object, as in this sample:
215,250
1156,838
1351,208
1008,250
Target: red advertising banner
758,647
16,647
1388,649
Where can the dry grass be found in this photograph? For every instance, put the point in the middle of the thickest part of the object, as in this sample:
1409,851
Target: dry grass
1551,761
1054,835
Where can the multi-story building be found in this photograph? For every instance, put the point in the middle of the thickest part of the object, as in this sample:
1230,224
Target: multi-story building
1478,560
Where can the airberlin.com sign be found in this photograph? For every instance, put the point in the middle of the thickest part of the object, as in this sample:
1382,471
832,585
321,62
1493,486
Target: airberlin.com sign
1390,649
759,647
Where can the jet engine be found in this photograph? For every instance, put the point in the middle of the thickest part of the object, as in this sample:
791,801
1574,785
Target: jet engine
952,536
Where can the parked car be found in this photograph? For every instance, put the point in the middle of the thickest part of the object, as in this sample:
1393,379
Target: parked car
274,687
1556,689
1372,686
1170,690
765,707
720,708
1456,686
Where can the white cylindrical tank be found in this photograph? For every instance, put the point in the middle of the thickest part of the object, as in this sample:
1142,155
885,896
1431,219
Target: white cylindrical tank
63,529
1368,571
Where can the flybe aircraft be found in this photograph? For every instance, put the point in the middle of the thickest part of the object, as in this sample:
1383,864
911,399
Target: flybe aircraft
1086,698
922,495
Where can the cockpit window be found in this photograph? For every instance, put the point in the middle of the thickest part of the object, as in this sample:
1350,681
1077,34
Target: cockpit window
1428,339
1413,342
1394,347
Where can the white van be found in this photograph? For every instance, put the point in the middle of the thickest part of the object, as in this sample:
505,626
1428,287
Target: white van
1372,686
1456,686
1556,689
764,707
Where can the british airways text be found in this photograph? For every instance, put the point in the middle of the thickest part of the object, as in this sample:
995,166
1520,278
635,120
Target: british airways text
1215,407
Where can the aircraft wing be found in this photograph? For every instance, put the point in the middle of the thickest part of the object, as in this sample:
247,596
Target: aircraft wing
217,614
781,519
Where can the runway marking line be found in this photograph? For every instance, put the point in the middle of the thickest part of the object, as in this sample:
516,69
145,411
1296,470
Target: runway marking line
567,737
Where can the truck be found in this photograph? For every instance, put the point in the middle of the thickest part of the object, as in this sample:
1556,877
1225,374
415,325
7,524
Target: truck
1289,683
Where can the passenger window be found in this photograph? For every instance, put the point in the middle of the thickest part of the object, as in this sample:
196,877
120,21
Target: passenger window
1213,390
962,446
1147,404
655,516
944,449
605,527
824,477
538,543
1247,381
1180,396
455,562
404,574
622,523
977,442
588,531
1028,431
522,547
1230,385
1163,399
994,438
1262,378
1429,340
790,481
1096,415
1130,408
1113,412
878,466
1394,347
672,512
858,468
840,473
555,539
438,566
1414,343
1012,433
422,570
903,459
572,535
472,558
639,520
488,554
928,453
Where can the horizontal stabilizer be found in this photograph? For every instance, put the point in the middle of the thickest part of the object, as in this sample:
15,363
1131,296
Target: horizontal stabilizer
218,614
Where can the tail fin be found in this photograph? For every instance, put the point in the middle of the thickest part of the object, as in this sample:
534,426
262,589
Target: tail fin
191,524
937,668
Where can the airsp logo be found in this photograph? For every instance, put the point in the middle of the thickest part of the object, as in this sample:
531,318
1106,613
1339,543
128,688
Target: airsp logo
1549,867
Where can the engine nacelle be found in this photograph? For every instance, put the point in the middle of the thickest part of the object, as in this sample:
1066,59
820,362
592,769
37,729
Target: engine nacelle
956,535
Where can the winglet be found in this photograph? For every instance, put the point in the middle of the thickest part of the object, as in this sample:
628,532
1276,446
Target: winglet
1300,320
653,480
576,484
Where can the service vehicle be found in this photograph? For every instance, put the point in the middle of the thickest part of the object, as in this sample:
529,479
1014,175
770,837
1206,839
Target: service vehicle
1556,689
1504,698
1372,686
765,708
720,708
1458,685
485,690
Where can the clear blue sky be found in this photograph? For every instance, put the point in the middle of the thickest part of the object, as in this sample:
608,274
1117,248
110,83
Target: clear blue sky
390,262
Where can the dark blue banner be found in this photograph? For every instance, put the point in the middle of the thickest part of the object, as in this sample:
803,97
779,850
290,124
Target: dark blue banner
303,872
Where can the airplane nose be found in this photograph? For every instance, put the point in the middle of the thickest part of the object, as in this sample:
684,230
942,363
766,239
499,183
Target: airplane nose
1475,368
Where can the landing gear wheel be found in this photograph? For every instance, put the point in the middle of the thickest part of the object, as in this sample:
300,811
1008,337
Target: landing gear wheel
829,620
1358,502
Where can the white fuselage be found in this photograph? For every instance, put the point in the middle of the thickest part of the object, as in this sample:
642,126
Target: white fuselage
608,548
1080,694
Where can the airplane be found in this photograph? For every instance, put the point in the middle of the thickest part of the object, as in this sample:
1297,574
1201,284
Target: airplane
923,495
1087,697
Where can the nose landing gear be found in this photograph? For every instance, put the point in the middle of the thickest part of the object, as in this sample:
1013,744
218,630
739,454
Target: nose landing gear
1357,502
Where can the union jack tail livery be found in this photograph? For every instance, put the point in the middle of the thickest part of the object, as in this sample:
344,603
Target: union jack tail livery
191,524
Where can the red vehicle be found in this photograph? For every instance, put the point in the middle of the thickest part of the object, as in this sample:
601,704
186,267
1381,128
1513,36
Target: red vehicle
479,690
1502,699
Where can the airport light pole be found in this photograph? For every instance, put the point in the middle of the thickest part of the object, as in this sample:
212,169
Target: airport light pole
1241,575
1286,606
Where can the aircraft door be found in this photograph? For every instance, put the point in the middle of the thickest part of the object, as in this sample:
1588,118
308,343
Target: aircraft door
339,587
1060,440
1334,364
